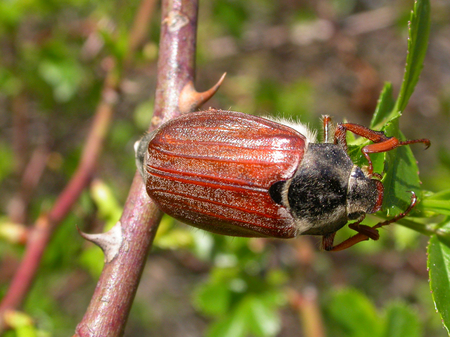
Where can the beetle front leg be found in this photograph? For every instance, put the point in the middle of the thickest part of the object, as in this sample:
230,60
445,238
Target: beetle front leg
382,143
327,129
328,246
364,232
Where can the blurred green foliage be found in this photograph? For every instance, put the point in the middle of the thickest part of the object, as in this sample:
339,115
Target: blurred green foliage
240,295
53,56
360,316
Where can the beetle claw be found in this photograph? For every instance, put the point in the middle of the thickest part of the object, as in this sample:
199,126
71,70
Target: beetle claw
191,99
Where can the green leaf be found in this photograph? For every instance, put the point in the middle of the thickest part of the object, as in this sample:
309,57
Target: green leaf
378,159
231,14
289,96
439,273
176,238
6,160
441,195
9,83
418,226
401,171
107,204
16,319
213,299
401,174
26,331
438,206
384,107
405,237
63,75
143,114
263,317
21,323
401,321
419,30
355,314
11,13
253,316
231,326
92,259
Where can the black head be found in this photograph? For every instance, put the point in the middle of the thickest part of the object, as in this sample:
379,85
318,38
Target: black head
140,149
365,195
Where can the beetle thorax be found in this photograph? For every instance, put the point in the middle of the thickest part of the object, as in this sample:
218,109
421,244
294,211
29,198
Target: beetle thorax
328,190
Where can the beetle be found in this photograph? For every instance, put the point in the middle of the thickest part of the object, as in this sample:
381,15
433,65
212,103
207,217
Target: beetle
241,175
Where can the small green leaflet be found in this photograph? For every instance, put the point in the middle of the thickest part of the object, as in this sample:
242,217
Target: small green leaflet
419,31
439,273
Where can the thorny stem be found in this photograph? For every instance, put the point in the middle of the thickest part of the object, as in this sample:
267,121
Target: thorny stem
110,305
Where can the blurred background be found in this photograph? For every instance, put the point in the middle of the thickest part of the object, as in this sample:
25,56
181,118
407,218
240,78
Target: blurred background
297,59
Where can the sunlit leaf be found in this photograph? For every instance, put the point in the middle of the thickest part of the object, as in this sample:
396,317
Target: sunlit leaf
263,317
419,31
233,325
64,75
401,321
401,174
6,160
231,14
106,202
355,314
438,206
384,107
439,273
213,298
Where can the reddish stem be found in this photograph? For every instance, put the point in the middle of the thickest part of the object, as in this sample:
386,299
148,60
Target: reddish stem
139,29
18,206
307,306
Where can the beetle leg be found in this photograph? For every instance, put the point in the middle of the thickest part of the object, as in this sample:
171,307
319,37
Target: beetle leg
327,125
328,241
344,244
370,232
401,215
382,143
364,232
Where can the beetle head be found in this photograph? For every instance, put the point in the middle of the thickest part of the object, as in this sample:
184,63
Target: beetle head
365,195
140,149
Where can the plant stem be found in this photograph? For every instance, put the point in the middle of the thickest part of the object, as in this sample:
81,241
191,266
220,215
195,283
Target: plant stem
111,302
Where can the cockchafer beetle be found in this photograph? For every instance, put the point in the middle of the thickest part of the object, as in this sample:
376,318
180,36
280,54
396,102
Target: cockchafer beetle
235,174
